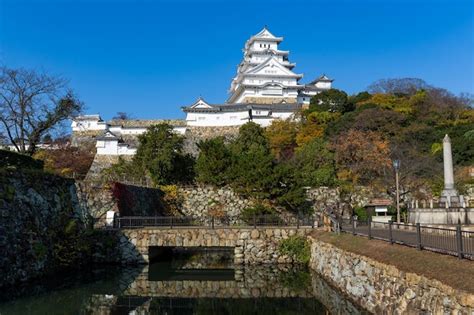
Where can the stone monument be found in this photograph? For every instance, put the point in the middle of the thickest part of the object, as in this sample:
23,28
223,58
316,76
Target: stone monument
449,193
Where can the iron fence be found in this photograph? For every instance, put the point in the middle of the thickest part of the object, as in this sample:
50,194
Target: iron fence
212,222
452,241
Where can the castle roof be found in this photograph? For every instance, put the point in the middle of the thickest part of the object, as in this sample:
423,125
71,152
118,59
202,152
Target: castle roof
322,78
216,108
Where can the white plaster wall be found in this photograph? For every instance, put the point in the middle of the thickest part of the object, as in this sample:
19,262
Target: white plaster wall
304,99
323,85
232,119
217,119
86,125
112,147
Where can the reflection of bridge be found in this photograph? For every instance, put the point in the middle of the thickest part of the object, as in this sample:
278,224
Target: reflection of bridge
284,286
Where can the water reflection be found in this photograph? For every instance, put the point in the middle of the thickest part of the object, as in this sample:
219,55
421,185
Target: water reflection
170,287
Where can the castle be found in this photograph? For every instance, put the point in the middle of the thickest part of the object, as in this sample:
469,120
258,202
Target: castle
265,88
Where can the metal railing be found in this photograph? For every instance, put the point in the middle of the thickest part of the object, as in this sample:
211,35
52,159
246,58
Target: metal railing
452,241
212,222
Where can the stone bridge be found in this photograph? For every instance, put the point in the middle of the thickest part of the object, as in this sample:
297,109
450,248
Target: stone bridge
258,245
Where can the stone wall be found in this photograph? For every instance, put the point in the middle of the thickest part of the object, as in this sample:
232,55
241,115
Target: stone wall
35,209
381,288
195,134
198,201
96,198
342,202
251,246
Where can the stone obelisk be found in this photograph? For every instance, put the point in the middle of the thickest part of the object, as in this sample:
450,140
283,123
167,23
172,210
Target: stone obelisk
448,191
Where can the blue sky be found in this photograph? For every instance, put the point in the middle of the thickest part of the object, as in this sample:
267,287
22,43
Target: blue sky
149,58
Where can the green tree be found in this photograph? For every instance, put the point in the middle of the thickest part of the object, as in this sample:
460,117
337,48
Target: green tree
332,100
251,170
160,155
315,164
213,161
360,97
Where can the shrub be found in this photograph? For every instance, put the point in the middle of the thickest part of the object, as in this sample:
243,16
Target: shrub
17,160
249,213
296,247
361,213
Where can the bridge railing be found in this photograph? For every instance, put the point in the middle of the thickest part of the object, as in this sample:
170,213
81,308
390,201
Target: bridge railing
213,222
452,241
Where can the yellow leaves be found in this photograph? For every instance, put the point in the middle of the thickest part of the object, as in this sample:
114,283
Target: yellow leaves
47,158
436,147
308,132
401,104
281,136
171,198
314,126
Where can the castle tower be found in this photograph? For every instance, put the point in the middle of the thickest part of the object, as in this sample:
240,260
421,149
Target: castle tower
265,74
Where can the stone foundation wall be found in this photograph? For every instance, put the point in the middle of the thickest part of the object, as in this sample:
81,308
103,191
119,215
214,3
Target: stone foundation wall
383,289
342,202
194,134
35,208
199,201
251,246
97,198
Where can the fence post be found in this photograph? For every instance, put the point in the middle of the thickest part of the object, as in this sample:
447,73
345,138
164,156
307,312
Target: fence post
212,222
369,226
171,222
254,221
298,221
418,236
353,225
312,222
459,241
390,231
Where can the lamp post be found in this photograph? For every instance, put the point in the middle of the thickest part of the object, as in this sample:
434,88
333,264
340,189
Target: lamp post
396,167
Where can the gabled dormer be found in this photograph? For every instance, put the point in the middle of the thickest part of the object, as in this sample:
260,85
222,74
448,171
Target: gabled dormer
108,136
200,103
272,67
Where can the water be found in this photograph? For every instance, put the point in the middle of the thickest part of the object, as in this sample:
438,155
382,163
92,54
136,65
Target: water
208,284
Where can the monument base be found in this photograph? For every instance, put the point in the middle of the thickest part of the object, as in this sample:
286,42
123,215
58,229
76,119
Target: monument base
442,216
449,196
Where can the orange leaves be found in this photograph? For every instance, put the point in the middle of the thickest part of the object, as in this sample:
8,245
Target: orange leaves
362,156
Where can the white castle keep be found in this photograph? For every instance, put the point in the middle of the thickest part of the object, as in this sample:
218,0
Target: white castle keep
265,88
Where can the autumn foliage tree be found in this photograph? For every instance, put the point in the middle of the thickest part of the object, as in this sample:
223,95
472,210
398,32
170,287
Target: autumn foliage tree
281,136
361,156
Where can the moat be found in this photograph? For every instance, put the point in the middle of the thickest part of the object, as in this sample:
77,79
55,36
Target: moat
190,283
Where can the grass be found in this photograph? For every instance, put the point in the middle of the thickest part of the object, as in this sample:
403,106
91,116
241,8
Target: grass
457,273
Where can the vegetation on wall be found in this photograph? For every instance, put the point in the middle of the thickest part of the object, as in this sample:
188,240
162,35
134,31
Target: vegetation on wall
296,247
159,156
10,159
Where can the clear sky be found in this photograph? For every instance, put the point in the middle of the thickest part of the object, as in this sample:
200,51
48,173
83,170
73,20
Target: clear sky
149,58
